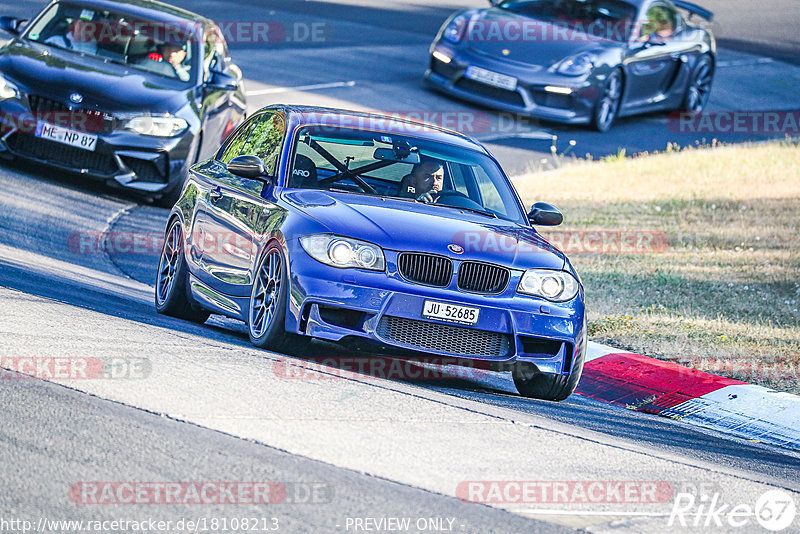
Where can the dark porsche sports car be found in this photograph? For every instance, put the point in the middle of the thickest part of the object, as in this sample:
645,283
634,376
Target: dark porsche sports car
129,92
577,61
351,227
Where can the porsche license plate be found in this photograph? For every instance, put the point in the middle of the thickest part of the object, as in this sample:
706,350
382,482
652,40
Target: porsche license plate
66,136
450,312
491,78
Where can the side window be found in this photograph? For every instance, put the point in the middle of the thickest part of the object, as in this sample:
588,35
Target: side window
491,198
661,21
459,180
265,139
214,50
236,143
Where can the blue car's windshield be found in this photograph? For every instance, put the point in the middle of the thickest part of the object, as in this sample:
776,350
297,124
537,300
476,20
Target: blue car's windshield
403,167
613,19
164,49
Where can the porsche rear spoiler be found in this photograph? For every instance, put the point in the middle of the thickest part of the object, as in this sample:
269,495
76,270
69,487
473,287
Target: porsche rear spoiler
694,9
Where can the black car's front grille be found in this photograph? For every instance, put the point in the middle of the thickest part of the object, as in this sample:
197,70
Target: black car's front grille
479,277
424,336
57,112
495,93
40,103
154,170
552,100
60,154
425,269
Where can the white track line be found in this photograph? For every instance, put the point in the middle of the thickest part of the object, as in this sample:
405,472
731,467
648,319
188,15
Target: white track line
275,90
522,135
745,62
590,512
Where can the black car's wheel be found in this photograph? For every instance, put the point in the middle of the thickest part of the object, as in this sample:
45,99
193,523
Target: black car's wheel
268,300
531,383
699,90
172,280
607,106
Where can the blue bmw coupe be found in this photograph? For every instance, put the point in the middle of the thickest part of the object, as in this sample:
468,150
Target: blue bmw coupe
373,230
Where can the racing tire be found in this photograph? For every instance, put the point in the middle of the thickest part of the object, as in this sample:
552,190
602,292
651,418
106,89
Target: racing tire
699,89
172,280
607,106
266,316
545,386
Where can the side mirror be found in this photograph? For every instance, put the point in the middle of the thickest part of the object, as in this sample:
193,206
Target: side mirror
11,25
248,167
223,81
544,214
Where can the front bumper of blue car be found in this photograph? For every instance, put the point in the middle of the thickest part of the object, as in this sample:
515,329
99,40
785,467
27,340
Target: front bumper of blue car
384,309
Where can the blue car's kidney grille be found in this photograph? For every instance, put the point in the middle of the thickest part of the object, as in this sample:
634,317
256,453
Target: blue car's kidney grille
478,277
425,336
425,269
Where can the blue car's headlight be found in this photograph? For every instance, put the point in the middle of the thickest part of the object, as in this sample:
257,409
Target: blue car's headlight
7,89
577,65
454,30
558,286
344,252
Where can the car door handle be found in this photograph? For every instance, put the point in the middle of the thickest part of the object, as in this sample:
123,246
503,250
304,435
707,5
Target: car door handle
215,194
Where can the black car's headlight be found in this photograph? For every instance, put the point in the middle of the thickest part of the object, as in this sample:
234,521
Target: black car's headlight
157,125
7,89
454,31
344,252
577,65
558,286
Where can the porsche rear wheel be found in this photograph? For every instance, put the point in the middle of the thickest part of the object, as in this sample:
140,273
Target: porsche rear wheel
607,106
172,280
268,301
699,90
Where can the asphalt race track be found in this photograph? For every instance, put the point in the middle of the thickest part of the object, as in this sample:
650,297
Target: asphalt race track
209,407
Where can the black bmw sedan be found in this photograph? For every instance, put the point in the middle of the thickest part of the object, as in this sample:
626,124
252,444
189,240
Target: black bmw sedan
132,93
577,61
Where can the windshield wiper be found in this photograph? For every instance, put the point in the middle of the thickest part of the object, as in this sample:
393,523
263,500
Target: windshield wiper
473,210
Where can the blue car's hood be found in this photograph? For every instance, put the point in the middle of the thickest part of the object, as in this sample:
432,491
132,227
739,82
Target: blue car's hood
408,226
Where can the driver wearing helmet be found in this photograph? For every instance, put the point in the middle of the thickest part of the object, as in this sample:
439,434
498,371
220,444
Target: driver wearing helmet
424,182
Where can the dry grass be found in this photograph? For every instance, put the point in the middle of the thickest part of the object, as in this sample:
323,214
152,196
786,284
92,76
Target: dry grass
724,295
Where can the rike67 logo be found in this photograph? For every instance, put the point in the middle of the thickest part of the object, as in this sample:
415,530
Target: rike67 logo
774,510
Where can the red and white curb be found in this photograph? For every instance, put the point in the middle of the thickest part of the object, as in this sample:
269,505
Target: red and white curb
664,388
